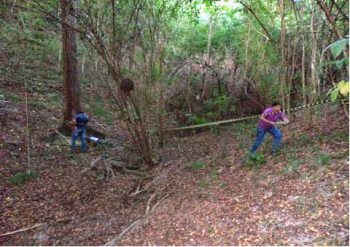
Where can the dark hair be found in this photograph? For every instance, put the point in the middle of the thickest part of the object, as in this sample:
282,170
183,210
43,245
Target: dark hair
80,112
276,104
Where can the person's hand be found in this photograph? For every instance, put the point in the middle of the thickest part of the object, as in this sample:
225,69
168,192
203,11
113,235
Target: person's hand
285,122
272,123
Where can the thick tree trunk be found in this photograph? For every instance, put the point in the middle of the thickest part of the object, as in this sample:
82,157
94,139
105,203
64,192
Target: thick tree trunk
70,63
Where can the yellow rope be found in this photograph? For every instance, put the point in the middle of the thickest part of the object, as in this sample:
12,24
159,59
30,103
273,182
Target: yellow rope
238,119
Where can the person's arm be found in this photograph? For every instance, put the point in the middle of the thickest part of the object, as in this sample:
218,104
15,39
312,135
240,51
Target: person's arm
262,117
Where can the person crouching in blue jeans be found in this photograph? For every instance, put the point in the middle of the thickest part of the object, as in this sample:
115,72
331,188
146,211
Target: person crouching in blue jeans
81,120
267,124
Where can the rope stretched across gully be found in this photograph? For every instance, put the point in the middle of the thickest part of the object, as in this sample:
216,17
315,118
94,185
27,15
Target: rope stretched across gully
240,119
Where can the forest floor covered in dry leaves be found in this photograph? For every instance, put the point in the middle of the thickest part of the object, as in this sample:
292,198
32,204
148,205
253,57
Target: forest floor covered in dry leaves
200,193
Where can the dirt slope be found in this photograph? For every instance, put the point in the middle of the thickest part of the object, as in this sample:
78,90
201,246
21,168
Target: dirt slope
199,194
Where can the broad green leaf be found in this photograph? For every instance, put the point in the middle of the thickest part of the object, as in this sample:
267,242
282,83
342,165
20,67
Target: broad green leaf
341,84
339,64
334,94
338,46
344,90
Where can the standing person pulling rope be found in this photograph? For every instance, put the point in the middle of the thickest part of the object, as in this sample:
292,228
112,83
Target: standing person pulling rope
81,120
267,124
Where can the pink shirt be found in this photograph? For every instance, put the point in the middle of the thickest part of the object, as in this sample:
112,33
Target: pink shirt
272,116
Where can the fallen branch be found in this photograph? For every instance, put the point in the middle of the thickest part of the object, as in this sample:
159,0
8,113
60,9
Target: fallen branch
109,173
137,192
156,205
138,188
116,239
21,230
155,182
94,164
125,170
149,202
62,136
98,161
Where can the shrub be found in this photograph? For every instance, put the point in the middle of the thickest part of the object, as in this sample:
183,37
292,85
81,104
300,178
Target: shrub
323,159
198,120
196,165
22,178
255,159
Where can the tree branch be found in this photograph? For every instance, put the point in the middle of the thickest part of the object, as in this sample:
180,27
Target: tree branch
330,19
21,230
253,13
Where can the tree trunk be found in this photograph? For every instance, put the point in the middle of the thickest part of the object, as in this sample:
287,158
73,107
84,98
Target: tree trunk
313,66
70,63
160,103
283,48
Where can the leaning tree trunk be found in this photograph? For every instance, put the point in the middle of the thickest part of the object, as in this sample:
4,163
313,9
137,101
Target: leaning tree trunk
70,63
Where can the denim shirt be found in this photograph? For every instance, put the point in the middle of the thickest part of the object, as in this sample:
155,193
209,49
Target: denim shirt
81,120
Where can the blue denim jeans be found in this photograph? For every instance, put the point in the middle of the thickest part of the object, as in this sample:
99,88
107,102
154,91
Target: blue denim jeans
276,133
80,132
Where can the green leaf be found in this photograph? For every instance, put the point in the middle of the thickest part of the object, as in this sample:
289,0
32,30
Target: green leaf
341,84
339,64
334,94
344,90
338,46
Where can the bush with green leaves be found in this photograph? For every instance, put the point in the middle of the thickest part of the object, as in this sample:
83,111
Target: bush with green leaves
198,120
341,90
216,108
255,159
219,106
22,178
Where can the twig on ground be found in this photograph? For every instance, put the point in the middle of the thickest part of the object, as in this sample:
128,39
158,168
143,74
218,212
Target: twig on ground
21,230
149,202
138,188
137,192
117,238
